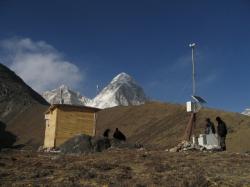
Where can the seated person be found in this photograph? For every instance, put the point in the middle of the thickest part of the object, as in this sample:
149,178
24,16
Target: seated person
106,133
119,135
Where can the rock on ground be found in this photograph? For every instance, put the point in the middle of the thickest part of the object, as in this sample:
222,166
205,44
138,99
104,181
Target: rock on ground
87,144
78,144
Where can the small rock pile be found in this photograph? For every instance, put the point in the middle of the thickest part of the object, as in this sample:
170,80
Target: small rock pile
189,146
186,146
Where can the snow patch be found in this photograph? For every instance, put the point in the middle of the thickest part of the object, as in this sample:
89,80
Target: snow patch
246,112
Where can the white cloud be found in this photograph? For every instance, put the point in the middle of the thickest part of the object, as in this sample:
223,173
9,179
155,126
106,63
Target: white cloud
39,64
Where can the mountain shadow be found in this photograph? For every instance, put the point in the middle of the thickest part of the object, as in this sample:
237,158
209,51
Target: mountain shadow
21,111
7,139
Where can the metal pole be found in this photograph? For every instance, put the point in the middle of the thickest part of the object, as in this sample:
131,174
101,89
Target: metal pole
193,116
191,124
193,70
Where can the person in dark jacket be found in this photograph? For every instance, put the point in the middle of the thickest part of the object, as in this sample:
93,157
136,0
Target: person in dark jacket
222,132
209,127
106,133
119,135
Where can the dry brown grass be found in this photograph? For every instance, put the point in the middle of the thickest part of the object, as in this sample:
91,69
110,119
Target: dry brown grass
155,125
125,167
162,125
29,125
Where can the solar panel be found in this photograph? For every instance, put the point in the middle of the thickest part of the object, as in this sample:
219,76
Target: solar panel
199,99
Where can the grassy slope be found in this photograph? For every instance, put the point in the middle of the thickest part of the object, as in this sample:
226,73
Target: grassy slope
154,124
162,125
29,125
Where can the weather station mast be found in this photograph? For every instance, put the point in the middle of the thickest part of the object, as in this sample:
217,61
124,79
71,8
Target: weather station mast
192,45
196,102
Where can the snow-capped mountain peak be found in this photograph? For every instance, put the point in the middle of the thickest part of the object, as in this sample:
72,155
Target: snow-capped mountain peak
65,94
63,87
122,90
122,78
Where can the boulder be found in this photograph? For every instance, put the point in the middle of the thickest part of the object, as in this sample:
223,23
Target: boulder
101,144
87,144
78,144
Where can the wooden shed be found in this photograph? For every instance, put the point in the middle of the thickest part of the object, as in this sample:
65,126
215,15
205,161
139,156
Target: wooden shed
65,121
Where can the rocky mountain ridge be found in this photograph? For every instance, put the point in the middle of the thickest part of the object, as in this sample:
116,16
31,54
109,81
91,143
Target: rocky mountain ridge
15,95
21,111
65,95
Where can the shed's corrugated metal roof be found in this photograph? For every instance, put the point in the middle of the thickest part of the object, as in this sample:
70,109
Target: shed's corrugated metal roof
72,107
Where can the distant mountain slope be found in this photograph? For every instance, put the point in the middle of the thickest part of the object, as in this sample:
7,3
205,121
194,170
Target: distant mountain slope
161,125
68,96
122,90
15,95
16,100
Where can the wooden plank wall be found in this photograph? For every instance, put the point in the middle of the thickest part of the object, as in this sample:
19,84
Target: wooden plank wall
71,123
50,129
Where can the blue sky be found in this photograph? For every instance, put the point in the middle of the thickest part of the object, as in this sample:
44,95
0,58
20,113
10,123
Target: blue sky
85,43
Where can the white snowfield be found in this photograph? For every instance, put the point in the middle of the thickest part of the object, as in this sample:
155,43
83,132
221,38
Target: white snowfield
122,90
